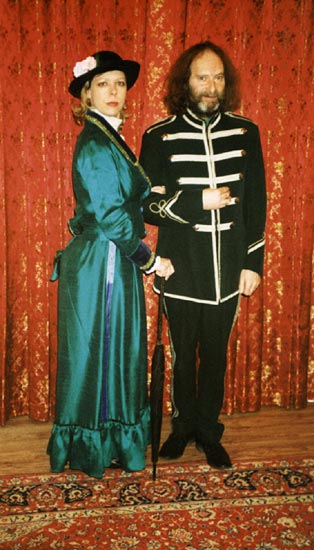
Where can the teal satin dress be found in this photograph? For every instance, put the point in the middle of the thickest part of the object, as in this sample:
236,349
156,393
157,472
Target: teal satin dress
102,408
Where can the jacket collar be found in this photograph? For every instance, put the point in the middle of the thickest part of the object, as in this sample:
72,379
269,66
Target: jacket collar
198,122
114,136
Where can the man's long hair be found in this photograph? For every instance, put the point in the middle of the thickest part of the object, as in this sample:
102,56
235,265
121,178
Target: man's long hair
177,83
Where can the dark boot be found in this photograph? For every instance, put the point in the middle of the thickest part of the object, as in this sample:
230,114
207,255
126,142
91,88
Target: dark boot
174,446
216,454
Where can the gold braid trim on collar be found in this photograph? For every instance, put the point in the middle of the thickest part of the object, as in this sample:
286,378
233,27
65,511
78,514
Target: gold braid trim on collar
122,150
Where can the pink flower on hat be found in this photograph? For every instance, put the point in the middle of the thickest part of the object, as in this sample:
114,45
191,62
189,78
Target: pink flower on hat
83,67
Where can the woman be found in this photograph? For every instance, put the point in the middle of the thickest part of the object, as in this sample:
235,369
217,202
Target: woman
102,410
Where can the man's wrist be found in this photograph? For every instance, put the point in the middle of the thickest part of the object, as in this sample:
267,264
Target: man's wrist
155,266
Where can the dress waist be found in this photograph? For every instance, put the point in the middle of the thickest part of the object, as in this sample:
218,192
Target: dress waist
88,225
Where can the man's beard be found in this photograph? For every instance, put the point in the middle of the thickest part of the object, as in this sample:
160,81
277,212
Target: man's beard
201,108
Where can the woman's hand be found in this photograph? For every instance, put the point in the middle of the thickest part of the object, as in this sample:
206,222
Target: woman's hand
217,198
164,268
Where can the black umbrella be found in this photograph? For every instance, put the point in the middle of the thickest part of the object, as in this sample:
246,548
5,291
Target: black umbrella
157,383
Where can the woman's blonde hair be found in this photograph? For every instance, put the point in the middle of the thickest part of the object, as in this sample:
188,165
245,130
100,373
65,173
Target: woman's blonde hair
79,111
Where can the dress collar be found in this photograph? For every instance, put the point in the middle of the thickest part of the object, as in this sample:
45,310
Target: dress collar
114,121
101,121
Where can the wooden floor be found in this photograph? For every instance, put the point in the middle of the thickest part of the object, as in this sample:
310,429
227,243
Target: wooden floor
270,433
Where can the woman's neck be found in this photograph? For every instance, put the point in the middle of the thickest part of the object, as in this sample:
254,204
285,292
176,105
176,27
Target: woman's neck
115,122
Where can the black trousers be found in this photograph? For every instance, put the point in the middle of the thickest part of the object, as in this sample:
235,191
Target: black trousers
199,335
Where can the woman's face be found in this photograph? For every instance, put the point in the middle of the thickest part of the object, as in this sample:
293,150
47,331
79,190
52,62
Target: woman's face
107,92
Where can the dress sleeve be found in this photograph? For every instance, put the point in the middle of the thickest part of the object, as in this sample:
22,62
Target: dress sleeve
100,175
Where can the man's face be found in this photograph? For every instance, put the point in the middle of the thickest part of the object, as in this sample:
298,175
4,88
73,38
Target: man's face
206,83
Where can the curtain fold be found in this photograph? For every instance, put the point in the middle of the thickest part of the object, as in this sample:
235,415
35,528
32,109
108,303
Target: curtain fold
271,351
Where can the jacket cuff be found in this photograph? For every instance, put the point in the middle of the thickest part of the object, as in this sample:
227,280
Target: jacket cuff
255,260
143,257
187,205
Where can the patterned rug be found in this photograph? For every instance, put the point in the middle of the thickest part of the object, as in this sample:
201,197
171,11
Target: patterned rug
254,506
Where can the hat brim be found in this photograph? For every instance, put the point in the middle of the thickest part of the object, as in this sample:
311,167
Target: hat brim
131,70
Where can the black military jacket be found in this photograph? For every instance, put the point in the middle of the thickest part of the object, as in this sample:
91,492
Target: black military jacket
208,248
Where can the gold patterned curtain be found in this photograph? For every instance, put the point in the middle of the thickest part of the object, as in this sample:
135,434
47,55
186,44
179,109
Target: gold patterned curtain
271,352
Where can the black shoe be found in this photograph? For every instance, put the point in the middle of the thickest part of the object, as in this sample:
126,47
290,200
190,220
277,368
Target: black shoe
216,454
174,446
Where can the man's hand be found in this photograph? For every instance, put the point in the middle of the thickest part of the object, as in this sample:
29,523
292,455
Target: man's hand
159,189
165,268
249,281
217,198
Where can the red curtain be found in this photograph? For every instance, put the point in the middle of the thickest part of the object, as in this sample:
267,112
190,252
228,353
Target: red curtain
271,352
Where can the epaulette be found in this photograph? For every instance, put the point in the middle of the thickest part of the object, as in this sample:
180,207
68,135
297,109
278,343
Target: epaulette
161,123
239,117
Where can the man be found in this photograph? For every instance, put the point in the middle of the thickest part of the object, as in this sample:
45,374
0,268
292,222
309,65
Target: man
211,225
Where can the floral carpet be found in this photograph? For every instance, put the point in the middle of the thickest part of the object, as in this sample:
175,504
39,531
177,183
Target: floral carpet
254,506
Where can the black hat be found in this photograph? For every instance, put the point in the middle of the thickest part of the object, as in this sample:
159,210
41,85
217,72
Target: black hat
101,62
